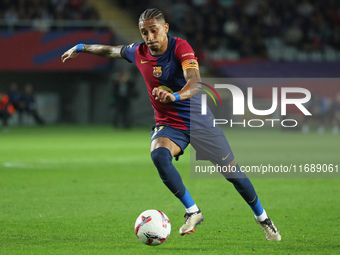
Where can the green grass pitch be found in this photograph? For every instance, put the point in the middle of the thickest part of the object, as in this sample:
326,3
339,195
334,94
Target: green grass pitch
78,190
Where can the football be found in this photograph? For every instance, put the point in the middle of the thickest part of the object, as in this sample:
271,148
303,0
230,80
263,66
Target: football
152,227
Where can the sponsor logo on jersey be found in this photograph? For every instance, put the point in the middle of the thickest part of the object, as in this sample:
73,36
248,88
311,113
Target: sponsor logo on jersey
166,88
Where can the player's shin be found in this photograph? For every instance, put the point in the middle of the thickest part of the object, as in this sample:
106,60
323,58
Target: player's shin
246,189
162,159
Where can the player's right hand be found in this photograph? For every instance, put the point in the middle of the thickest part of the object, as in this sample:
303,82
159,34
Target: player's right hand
163,96
70,54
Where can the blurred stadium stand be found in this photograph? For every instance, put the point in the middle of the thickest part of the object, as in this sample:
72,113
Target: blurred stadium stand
34,35
232,38
223,32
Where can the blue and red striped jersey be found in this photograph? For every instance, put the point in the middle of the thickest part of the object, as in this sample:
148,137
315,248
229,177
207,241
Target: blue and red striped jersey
166,71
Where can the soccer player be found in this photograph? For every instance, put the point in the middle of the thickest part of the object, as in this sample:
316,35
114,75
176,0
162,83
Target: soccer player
171,72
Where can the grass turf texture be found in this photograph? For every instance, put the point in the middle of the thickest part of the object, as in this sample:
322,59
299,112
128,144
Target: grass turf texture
79,190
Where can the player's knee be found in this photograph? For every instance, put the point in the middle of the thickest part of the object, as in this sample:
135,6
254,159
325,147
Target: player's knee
162,159
234,175
230,169
160,156
232,163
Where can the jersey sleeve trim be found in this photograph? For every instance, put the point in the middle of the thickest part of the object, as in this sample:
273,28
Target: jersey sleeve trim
123,53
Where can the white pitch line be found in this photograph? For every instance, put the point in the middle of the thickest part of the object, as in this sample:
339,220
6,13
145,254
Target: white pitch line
54,163
20,165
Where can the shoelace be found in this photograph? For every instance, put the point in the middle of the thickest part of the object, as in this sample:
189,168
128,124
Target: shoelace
187,216
268,222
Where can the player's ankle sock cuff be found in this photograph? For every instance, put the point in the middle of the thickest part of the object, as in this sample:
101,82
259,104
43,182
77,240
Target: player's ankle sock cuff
262,217
192,209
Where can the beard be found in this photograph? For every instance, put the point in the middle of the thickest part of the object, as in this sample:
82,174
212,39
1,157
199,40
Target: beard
154,47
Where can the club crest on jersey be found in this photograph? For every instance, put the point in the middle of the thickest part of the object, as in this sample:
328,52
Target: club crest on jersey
157,71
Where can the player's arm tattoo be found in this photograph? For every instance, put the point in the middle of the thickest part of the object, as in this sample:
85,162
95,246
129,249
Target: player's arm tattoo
190,73
103,50
192,76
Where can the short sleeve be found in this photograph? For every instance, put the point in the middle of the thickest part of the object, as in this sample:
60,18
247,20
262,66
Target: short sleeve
128,52
185,54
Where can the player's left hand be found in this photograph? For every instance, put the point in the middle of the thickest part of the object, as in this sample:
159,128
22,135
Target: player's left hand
163,96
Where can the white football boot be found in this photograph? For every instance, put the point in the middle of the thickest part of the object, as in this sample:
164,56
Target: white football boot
270,230
191,221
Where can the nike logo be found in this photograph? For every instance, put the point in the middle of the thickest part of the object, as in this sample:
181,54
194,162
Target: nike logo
143,62
226,157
